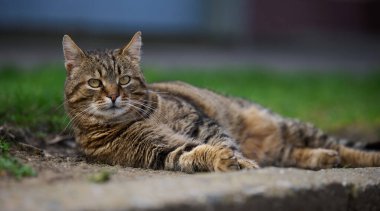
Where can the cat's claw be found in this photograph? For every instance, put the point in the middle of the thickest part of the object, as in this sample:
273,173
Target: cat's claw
247,164
226,160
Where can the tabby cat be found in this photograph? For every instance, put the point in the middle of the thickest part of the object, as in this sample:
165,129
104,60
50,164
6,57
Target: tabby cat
119,119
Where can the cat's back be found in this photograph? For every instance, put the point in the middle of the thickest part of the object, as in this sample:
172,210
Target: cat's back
203,98
216,106
198,96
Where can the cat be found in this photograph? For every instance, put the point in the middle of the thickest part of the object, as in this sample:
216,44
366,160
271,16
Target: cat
119,119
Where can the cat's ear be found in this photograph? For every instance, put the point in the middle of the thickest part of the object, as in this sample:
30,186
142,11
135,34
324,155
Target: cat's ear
133,49
73,54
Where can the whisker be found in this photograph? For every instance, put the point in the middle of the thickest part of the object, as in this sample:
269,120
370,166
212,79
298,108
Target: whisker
143,104
154,118
137,110
76,116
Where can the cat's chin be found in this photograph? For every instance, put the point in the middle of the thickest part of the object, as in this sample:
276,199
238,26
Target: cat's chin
115,112
112,113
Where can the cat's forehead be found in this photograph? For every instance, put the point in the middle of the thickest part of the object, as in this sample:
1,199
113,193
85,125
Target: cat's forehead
107,60
103,57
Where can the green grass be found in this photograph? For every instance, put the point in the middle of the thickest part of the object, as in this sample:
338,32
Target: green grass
34,99
101,176
10,165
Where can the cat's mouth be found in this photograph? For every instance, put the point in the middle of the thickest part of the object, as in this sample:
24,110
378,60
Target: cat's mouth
109,107
114,107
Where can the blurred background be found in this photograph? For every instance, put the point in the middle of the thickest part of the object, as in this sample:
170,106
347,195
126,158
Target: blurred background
319,35
316,60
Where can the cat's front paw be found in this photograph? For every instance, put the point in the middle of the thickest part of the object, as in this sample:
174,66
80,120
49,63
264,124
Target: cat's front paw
225,160
247,164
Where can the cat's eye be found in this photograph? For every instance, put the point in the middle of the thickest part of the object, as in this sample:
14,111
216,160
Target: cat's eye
94,83
124,80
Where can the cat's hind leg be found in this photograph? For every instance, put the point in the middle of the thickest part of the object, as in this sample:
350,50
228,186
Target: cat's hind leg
357,158
272,140
301,134
309,158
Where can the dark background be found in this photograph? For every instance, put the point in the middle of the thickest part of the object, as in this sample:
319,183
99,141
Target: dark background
323,35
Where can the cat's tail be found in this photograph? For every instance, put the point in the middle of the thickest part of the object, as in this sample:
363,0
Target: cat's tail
306,135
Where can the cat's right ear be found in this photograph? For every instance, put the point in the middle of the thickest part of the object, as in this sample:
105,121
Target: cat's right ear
73,54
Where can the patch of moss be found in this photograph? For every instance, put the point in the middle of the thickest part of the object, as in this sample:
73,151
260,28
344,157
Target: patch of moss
9,165
100,177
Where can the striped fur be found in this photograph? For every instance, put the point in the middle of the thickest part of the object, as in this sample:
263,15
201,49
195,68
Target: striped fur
176,126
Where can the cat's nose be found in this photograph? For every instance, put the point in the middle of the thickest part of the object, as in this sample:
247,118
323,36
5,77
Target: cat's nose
113,97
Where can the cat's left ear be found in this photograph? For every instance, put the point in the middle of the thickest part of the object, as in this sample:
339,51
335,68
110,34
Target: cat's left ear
133,49
73,54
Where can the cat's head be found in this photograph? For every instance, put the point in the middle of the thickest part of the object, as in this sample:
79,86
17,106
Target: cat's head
106,85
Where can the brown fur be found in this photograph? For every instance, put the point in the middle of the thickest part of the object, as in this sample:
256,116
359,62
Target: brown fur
176,126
